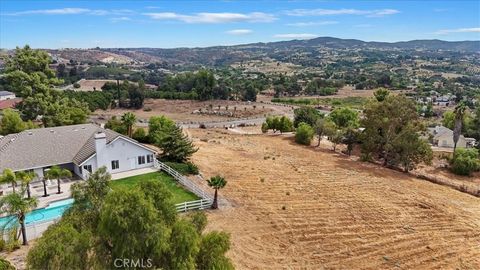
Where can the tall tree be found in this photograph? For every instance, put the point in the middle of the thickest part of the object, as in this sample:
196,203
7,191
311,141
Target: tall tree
129,119
62,246
213,247
216,182
16,205
26,177
136,223
307,115
324,127
409,149
184,245
129,227
11,122
28,73
350,137
344,117
384,122
457,130
9,177
175,145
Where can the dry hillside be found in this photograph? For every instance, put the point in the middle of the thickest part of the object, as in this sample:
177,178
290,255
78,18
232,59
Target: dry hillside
291,207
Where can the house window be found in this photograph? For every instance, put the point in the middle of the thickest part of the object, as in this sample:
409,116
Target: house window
149,158
88,168
141,160
115,164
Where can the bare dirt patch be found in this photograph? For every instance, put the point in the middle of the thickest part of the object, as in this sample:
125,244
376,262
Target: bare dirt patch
92,85
293,207
182,110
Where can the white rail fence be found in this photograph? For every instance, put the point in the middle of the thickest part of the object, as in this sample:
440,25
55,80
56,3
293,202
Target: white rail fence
206,199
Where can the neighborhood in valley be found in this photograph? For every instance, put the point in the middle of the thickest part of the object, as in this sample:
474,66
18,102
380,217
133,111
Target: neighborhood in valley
225,135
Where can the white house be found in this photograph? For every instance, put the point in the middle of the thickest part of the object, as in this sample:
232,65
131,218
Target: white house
79,148
443,137
5,95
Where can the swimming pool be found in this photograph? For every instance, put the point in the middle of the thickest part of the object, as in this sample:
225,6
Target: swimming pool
52,211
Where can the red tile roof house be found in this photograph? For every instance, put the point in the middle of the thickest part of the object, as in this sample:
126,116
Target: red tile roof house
9,103
80,148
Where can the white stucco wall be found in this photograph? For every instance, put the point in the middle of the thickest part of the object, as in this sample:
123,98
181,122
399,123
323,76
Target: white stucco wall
125,152
447,141
38,172
6,97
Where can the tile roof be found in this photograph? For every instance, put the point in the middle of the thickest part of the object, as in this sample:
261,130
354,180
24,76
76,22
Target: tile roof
9,103
50,146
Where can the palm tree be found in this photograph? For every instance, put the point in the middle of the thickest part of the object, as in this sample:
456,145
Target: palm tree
8,177
58,173
26,177
129,120
216,182
44,181
457,130
17,206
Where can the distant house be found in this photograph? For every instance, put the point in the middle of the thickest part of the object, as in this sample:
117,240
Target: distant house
443,137
80,148
5,95
9,103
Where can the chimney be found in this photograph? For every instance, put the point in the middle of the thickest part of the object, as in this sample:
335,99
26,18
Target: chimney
100,149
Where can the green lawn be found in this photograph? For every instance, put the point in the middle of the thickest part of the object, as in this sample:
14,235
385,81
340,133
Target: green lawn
179,193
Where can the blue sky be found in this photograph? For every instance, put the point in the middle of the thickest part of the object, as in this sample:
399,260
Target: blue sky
167,24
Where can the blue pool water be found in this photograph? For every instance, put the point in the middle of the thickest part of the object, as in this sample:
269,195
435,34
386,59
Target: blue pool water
52,211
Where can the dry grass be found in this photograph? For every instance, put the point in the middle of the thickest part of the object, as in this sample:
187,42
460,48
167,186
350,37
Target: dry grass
181,110
293,207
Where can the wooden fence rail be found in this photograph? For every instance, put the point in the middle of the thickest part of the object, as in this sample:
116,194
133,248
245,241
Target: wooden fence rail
206,199
194,205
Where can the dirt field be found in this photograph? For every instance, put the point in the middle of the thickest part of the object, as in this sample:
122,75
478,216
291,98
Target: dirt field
292,207
92,85
182,110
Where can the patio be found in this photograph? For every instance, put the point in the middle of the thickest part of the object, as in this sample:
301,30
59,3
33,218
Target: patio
36,190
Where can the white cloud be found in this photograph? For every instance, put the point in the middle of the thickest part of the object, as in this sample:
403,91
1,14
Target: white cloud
343,11
239,32
205,17
363,25
72,11
295,36
61,11
459,30
120,19
302,24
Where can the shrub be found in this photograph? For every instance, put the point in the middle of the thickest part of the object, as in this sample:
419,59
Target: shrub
6,265
76,85
304,134
2,245
307,115
465,161
282,124
264,127
140,135
183,168
199,220
12,243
